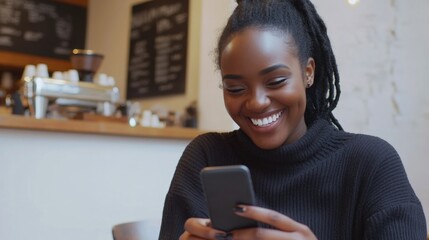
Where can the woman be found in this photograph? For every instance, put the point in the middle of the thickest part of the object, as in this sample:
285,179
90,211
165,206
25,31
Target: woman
311,179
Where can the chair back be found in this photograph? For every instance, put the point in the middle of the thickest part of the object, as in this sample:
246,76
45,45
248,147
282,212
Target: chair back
139,230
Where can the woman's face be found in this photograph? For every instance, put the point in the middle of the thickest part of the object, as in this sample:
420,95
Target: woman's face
264,86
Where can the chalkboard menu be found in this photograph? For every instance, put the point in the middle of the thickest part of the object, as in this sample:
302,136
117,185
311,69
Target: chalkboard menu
158,46
42,27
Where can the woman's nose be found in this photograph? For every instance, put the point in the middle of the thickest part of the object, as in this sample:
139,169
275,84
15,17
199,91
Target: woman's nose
258,100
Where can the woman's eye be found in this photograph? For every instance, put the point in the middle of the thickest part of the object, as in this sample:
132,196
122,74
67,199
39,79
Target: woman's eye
277,82
234,90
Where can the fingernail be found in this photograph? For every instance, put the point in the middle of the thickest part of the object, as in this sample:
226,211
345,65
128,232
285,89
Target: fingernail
239,209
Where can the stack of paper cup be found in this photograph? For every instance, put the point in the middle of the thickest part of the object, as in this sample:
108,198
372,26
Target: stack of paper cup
29,71
42,70
104,80
101,79
58,75
73,75
146,120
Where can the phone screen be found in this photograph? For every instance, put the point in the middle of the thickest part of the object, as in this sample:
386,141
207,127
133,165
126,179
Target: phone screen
225,187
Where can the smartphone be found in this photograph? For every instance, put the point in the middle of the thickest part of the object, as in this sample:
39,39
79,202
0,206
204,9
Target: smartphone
225,187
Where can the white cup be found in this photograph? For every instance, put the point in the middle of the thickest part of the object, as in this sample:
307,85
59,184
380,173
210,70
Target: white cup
154,121
57,75
146,118
101,79
108,109
29,71
42,70
110,81
73,75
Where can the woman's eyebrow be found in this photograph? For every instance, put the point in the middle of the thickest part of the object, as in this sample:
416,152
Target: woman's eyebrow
272,68
232,76
262,72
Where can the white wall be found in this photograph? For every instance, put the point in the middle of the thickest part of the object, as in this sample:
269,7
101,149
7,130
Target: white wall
77,186
381,49
213,115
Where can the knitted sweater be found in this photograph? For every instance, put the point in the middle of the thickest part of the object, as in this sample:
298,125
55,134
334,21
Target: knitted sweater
341,185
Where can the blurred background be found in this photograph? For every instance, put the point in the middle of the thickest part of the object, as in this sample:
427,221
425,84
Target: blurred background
69,186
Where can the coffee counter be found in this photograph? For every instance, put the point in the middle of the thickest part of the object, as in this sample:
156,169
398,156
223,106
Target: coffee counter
95,127
83,176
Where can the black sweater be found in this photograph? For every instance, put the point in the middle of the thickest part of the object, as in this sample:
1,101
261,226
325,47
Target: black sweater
341,185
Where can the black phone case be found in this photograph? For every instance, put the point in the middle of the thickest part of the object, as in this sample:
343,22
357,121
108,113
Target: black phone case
224,188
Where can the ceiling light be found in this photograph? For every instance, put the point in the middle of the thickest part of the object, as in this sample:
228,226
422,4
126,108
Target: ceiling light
353,2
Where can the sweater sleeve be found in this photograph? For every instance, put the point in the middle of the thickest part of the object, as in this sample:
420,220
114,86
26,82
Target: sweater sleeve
393,210
185,197
404,221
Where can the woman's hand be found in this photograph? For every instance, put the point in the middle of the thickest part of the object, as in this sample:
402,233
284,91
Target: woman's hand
285,227
200,228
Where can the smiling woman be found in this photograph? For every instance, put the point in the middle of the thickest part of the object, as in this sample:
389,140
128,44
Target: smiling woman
312,180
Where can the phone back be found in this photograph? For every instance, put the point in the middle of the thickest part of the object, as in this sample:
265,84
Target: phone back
224,188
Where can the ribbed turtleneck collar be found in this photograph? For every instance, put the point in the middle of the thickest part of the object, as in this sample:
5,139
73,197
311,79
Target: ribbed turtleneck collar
317,140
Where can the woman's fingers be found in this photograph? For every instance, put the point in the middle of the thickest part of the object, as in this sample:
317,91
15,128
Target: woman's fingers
199,228
188,236
270,217
274,219
268,234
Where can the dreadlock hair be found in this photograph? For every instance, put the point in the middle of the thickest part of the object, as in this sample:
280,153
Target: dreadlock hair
299,20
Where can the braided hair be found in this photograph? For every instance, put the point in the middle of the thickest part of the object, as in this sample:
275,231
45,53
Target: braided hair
299,20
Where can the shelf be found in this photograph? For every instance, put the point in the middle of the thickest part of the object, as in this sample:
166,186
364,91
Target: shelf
19,60
90,127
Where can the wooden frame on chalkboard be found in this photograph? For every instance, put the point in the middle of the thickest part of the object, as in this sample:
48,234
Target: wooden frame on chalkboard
17,60
158,49
83,3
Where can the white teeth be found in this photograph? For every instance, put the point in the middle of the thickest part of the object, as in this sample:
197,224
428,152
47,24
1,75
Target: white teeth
267,120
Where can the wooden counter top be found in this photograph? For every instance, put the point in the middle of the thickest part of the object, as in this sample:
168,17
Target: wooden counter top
107,128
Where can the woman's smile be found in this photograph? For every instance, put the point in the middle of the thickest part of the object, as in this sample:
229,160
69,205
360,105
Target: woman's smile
266,121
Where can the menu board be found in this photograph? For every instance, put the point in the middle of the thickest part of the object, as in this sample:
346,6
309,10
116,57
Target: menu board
42,27
158,46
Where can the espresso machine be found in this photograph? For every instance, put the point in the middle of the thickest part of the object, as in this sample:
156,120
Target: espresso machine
42,91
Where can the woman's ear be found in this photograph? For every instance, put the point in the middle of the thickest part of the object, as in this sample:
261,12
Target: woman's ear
310,69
